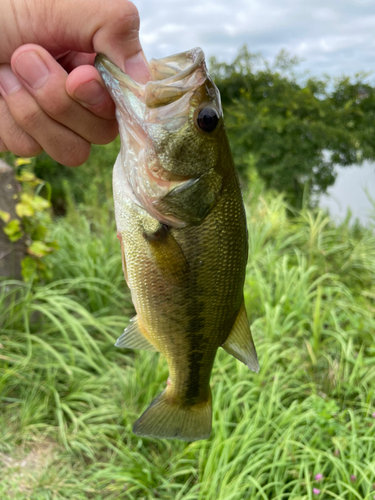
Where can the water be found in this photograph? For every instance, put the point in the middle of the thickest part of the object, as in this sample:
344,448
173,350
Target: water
349,192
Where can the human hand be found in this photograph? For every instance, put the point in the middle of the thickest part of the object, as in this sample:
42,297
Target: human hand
61,105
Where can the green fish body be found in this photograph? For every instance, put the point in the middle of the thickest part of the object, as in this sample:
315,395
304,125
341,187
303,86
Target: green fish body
182,227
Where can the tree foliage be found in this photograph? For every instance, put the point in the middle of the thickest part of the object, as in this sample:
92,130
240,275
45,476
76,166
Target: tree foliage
31,222
294,129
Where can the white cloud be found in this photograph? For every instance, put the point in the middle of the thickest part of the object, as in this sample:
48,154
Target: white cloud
334,36
324,14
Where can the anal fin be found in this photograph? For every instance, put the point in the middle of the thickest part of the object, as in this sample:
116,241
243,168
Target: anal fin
240,342
133,338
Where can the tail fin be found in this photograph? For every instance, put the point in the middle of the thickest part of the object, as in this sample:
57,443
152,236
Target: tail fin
168,419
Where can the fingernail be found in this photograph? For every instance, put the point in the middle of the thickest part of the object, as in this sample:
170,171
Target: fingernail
90,93
31,67
138,69
9,83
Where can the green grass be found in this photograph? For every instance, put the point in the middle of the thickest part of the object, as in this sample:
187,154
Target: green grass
69,397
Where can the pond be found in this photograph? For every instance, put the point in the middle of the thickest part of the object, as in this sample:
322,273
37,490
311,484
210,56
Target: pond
353,190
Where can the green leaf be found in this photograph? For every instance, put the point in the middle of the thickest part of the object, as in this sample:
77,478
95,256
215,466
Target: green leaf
37,203
22,161
27,177
24,210
4,216
29,268
53,245
40,203
39,249
13,230
39,232
27,198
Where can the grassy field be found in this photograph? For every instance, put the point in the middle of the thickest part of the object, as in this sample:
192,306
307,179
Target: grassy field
303,428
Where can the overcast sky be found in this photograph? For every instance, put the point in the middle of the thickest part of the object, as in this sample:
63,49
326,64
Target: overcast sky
332,36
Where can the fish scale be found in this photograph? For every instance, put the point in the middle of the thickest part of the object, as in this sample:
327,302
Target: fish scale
181,221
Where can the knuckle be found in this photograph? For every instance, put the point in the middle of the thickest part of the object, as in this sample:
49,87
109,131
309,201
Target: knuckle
29,151
109,137
3,147
15,137
104,132
28,117
33,149
76,154
22,144
57,108
130,11
128,16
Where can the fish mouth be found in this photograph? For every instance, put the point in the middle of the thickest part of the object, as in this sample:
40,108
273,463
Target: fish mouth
173,77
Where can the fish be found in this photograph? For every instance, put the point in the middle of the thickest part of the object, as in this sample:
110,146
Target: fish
182,227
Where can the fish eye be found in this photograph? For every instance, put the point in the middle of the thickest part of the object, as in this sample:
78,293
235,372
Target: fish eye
207,119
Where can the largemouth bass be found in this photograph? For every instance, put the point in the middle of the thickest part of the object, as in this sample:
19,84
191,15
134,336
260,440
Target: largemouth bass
181,223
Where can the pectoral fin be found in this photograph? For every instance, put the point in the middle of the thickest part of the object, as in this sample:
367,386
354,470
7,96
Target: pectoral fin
193,200
169,258
240,342
133,338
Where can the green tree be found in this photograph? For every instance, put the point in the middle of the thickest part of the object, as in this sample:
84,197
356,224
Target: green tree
294,129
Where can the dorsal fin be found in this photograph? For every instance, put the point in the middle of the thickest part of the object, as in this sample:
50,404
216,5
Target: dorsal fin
240,342
133,338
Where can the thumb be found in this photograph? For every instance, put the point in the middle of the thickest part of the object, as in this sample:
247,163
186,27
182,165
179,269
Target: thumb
118,39
110,27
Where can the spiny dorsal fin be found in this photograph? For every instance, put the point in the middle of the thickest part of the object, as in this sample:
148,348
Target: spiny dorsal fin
133,338
240,342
